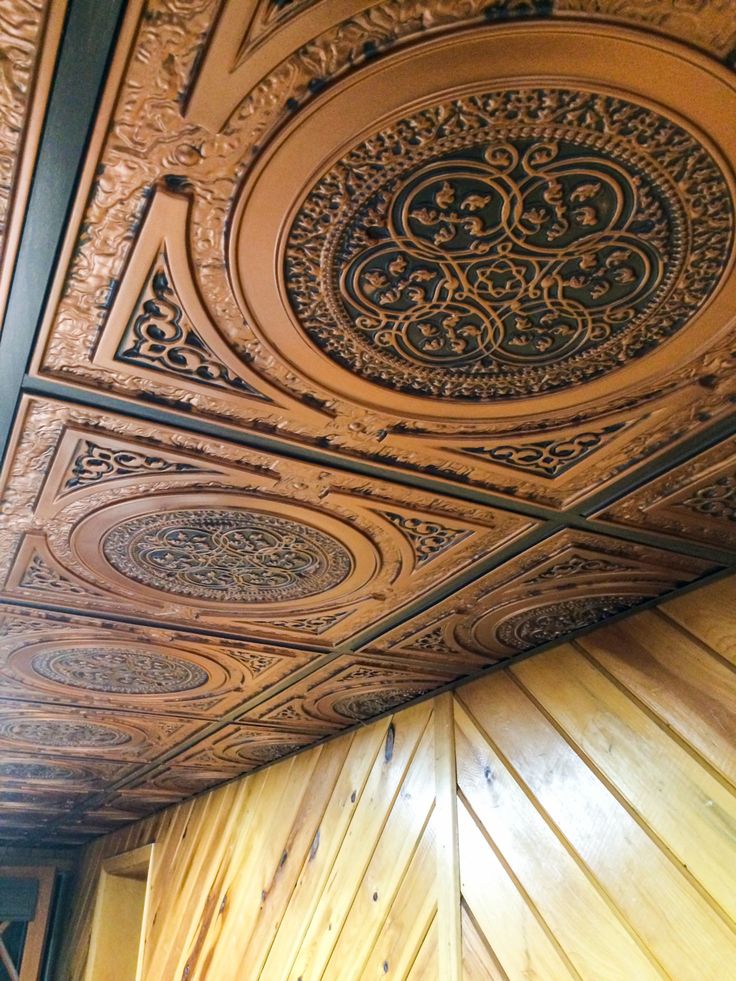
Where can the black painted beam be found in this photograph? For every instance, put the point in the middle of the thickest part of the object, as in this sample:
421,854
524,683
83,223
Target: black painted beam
87,44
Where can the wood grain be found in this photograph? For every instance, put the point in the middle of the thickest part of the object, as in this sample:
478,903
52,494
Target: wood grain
594,816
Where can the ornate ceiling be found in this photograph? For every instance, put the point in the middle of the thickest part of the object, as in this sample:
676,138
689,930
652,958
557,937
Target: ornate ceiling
350,348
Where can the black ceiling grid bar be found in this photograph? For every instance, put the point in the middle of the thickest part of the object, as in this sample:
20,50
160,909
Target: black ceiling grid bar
86,47
685,450
168,625
159,765
322,457
571,517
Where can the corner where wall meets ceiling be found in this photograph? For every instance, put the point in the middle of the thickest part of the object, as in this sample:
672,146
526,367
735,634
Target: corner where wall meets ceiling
349,350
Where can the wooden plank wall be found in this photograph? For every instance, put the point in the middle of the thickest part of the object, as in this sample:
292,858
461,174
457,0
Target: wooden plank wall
572,817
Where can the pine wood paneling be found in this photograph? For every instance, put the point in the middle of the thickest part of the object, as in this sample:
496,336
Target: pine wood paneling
591,789
709,615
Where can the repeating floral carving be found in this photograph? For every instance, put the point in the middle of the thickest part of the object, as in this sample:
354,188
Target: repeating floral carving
119,670
696,500
578,565
555,588
227,555
61,734
38,575
473,268
149,137
311,625
543,624
37,771
361,706
715,500
161,337
548,457
96,463
428,538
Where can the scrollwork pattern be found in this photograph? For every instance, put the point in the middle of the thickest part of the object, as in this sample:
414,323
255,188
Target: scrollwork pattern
119,670
59,733
547,458
716,500
160,337
463,267
227,555
96,463
428,538
542,624
38,575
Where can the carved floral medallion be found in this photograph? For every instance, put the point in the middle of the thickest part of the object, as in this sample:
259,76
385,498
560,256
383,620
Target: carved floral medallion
509,244
122,670
227,555
60,734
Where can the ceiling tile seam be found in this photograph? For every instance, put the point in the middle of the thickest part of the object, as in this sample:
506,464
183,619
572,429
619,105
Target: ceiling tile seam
163,625
96,707
317,456
572,517
443,591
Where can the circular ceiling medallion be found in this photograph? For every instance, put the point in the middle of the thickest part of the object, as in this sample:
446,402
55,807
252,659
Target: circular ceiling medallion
509,243
119,670
38,771
473,236
227,554
59,734
540,624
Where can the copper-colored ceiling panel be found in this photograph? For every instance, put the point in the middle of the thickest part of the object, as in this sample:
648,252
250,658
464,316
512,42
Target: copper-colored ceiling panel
352,688
695,501
543,372
569,582
231,751
66,776
99,514
56,658
89,733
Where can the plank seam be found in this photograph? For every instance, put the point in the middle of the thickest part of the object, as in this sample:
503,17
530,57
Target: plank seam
630,810
563,840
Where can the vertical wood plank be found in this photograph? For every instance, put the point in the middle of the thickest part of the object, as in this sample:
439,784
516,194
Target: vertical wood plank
449,931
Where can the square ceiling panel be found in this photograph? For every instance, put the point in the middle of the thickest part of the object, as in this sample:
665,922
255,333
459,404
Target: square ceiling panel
108,514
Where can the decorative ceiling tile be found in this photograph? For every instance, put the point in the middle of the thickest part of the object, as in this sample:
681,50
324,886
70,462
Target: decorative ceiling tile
424,326
88,733
233,750
179,780
49,658
569,582
57,774
695,501
219,536
351,688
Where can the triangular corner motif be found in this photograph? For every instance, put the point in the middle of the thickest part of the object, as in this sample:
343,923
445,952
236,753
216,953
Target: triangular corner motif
161,337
